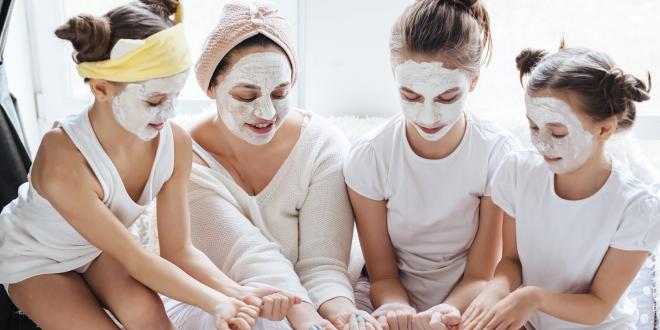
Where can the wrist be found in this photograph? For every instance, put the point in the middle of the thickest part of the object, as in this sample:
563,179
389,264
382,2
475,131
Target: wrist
497,290
235,290
334,307
301,314
532,294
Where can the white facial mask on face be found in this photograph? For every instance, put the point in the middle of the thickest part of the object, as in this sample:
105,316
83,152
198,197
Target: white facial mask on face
132,111
574,148
267,71
431,79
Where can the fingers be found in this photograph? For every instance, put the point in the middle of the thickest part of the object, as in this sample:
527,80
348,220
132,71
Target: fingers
484,320
251,311
267,308
287,303
420,322
221,324
266,291
382,320
238,323
277,305
436,321
370,320
392,321
353,323
451,319
252,300
404,320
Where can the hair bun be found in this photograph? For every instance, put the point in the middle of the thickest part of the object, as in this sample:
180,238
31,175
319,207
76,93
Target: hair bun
619,87
165,8
89,35
528,59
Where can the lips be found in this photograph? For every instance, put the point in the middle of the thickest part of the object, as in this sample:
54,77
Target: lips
261,128
434,129
552,159
157,127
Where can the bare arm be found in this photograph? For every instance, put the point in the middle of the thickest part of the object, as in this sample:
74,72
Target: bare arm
62,176
508,274
371,219
174,224
616,272
484,255
508,277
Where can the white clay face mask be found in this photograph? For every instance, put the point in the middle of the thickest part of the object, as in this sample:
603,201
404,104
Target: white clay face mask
431,118
255,121
562,154
133,111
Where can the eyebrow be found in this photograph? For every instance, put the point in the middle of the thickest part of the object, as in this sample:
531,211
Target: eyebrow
451,90
407,90
557,125
252,86
246,85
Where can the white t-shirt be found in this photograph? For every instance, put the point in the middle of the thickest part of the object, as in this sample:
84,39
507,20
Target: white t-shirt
561,243
432,205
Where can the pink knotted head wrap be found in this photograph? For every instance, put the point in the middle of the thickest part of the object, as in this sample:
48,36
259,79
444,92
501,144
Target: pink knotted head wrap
241,20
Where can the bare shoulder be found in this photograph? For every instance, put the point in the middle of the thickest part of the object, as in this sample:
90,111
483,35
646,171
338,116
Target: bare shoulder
182,149
59,166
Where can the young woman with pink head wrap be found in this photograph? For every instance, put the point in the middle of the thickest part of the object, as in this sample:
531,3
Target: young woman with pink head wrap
267,196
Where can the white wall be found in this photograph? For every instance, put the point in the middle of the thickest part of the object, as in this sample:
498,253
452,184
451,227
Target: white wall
346,56
17,59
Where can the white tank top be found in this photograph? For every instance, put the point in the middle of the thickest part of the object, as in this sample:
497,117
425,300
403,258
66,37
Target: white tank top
35,239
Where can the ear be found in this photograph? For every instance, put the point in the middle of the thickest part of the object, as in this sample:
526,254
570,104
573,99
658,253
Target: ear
473,82
211,92
608,128
102,89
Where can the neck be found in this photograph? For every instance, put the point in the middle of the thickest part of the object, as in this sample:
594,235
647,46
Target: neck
586,180
436,149
106,128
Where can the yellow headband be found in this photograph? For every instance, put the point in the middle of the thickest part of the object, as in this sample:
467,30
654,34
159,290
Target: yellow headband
163,54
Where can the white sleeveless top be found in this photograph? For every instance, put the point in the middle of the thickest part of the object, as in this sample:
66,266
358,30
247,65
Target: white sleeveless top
35,239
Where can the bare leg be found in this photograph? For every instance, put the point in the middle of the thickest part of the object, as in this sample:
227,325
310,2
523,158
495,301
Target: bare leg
60,301
132,303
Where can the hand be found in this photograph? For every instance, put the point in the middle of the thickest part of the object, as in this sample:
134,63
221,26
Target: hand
439,317
231,313
356,320
477,310
395,316
513,311
316,325
273,304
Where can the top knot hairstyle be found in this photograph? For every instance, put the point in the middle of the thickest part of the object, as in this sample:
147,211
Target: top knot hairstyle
93,37
602,87
460,29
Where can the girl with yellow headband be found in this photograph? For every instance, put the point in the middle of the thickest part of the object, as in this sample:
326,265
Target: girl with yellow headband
65,251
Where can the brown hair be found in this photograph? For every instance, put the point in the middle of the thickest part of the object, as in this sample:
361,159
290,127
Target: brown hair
458,28
604,90
93,37
258,40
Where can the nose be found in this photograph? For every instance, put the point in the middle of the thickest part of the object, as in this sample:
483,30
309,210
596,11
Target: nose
265,110
427,115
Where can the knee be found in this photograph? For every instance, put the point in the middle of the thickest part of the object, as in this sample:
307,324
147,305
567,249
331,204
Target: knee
146,313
